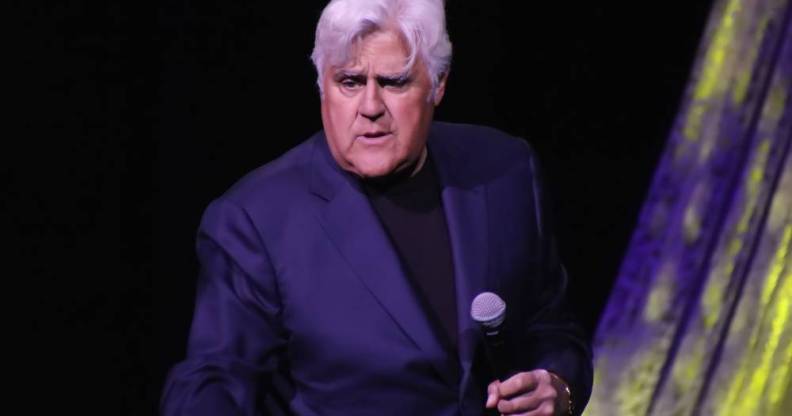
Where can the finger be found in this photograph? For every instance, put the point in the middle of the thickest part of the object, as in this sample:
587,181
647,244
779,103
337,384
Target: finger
546,409
492,394
535,399
519,383
519,404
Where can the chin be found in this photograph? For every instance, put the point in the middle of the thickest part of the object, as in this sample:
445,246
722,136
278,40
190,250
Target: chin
373,169
374,173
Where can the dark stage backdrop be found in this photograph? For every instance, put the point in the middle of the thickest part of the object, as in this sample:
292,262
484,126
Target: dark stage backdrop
136,116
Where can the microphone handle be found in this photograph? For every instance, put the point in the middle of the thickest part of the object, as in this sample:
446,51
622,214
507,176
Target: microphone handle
494,346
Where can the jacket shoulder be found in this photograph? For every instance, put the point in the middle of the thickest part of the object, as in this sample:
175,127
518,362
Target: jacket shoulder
284,178
483,151
481,142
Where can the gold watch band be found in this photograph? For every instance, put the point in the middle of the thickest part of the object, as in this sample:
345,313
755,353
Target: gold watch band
558,380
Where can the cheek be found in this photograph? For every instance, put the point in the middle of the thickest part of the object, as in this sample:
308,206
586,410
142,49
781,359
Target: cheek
412,119
342,113
407,115
337,119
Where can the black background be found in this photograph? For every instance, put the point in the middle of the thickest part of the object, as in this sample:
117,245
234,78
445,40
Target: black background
134,116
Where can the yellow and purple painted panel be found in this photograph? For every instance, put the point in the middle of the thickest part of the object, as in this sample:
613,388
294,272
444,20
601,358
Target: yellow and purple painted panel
700,319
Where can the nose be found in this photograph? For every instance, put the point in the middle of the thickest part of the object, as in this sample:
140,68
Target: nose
372,107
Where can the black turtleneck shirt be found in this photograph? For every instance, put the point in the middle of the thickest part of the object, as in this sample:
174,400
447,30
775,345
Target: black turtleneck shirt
411,211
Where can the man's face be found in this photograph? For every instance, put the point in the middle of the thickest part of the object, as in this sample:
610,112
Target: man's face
375,115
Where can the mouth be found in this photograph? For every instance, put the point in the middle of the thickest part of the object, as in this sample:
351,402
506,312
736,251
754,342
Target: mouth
375,137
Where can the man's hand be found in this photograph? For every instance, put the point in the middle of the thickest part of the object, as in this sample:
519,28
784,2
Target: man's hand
532,393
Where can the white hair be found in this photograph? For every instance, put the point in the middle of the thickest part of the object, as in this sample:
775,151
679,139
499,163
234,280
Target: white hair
420,22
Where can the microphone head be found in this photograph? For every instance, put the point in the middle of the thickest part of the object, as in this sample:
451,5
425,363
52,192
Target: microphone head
488,309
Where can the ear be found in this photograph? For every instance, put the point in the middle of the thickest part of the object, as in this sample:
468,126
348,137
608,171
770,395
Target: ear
440,89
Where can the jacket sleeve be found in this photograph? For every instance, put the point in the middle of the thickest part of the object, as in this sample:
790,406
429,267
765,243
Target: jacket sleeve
554,340
236,334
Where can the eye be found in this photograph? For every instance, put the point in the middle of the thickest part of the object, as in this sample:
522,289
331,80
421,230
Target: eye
395,83
350,83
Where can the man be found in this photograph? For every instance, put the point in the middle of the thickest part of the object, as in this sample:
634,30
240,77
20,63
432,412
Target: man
338,278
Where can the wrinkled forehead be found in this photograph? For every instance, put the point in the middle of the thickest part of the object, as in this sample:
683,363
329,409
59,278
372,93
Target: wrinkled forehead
383,49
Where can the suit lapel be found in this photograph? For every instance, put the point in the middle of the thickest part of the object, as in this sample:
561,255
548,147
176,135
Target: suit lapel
353,227
464,202
465,213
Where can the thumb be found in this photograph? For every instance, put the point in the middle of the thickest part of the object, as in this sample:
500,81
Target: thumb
492,394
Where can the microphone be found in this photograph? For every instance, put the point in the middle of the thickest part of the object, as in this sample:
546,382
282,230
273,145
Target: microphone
489,310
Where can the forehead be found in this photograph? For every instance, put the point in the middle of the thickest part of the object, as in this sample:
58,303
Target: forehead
380,50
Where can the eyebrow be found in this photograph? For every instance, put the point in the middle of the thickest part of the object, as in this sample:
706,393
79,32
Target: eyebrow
388,79
393,79
342,75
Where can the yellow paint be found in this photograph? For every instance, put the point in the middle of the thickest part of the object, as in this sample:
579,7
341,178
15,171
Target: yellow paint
713,68
633,394
780,381
776,100
752,395
661,294
747,61
713,73
754,183
746,392
692,223
724,264
712,301
779,263
596,405
695,118
780,213
688,368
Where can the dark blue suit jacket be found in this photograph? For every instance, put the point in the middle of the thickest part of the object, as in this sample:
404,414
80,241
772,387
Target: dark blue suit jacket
303,306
